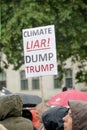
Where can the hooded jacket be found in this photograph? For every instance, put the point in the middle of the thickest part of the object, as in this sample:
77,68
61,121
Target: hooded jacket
79,114
53,118
17,123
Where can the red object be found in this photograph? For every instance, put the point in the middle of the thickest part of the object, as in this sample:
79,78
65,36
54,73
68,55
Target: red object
35,120
62,98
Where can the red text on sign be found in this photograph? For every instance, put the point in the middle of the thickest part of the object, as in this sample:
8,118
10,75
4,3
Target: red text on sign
39,68
38,44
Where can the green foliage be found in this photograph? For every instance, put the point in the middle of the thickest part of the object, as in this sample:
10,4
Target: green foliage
68,16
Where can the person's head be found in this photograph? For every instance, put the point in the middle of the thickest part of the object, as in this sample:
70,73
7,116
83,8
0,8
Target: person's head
76,119
40,108
64,89
27,114
39,111
53,118
68,121
2,127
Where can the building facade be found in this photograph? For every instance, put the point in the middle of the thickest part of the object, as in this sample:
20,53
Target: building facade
46,86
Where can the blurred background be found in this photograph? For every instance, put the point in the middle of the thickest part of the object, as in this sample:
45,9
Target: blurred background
70,20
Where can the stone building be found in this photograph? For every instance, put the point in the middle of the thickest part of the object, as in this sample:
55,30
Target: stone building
15,81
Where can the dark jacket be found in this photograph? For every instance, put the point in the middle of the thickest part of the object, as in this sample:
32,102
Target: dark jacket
53,118
79,114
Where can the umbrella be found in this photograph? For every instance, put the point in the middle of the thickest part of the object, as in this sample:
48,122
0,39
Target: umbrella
62,98
5,91
27,99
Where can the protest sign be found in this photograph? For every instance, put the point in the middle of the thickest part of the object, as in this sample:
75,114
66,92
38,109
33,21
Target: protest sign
40,51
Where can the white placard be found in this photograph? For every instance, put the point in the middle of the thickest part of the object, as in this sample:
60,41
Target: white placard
40,51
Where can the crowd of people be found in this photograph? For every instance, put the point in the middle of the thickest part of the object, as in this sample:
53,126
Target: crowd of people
73,117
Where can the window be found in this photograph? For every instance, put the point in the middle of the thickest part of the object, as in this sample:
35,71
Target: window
57,83
68,78
24,81
35,83
2,80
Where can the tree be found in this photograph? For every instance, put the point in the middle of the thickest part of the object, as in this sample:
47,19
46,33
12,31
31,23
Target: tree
69,18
